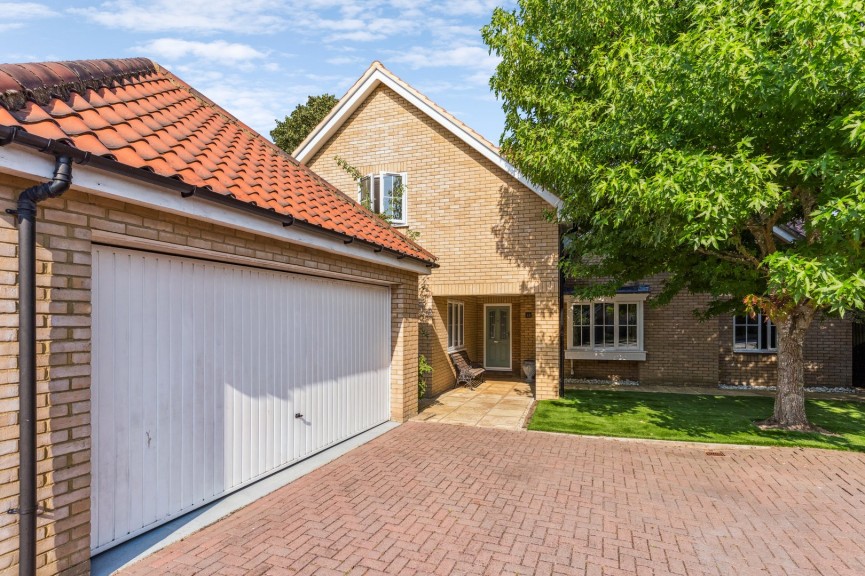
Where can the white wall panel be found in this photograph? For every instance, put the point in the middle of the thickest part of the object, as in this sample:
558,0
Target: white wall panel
199,369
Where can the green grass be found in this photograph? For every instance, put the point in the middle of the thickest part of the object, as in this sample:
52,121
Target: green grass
696,418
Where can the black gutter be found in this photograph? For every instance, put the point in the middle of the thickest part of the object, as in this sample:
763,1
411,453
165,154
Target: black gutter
14,134
26,214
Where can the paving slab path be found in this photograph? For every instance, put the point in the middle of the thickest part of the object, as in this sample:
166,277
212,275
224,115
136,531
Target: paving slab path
496,403
439,499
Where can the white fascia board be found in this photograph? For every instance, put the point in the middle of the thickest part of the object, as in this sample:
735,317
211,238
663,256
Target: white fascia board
345,110
26,163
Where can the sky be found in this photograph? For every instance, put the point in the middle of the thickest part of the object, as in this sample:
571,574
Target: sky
258,59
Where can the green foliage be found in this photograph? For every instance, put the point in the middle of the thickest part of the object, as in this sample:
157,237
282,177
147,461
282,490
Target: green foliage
423,370
291,131
680,133
696,418
349,168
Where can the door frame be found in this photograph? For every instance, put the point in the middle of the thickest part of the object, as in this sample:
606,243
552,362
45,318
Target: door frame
510,367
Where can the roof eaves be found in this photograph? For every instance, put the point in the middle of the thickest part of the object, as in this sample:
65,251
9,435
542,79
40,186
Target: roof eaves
10,134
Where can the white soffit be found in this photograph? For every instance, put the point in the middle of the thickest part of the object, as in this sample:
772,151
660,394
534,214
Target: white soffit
377,75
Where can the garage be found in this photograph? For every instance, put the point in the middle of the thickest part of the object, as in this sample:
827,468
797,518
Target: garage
207,376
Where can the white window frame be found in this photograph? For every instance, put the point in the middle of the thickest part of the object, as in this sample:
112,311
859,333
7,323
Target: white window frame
763,324
381,176
615,352
456,338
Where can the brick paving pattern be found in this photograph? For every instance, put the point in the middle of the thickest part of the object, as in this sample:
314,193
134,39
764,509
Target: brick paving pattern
439,499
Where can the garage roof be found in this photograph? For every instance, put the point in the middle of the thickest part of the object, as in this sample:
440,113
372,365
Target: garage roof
142,116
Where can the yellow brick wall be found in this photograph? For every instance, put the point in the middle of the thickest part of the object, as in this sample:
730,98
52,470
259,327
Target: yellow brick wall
488,231
64,342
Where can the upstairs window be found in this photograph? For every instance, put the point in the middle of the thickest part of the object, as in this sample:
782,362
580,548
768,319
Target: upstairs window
456,325
385,193
754,334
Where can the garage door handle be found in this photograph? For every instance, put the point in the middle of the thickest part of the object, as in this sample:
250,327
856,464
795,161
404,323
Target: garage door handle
298,415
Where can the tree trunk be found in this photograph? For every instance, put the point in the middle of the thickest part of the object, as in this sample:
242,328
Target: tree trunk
789,411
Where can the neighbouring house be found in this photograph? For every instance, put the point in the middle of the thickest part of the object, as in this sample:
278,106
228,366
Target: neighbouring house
208,310
498,254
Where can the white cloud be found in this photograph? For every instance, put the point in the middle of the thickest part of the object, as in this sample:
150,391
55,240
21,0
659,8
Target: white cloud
470,7
201,16
19,11
473,57
343,60
173,49
17,14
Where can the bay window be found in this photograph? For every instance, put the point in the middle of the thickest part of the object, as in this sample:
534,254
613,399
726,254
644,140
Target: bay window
610,329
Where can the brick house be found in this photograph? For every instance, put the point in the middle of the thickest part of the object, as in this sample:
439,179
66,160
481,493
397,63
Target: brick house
207,310
496,292
487,226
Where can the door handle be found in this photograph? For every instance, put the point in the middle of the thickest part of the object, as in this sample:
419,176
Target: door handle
298,415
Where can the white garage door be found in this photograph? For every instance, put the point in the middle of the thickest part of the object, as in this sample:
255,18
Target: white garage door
208,376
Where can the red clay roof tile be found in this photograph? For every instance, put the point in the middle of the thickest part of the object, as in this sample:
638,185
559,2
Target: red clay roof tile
146,117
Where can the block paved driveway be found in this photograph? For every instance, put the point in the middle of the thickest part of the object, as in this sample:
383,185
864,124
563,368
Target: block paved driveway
441,499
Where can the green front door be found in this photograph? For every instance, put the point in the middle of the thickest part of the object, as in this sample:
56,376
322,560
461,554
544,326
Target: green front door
497,347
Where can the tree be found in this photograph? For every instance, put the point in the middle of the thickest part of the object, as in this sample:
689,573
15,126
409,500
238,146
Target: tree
291,131
692,138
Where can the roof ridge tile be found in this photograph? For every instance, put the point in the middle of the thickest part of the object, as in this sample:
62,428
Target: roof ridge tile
40,82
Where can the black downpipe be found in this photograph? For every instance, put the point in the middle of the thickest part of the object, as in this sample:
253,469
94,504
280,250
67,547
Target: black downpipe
562,315
26,214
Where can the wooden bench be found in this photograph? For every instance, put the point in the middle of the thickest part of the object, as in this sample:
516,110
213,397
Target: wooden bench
469,373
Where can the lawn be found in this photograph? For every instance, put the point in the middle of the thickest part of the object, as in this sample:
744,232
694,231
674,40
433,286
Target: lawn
696,418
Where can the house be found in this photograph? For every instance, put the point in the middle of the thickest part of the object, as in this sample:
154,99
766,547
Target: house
496,292
498,252
207,310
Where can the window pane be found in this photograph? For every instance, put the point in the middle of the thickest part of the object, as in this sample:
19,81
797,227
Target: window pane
582,321
392,196
376,195
491,328
460,325
628,325
604,325
450,325
773,335
746,333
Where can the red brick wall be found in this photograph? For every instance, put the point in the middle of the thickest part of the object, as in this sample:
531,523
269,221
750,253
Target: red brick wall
681,350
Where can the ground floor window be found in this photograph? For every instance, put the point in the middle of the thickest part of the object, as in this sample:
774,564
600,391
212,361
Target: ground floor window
754,334
456,325
596,329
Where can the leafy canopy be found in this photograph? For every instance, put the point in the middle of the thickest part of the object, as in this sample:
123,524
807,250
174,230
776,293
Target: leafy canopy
680,134
291,131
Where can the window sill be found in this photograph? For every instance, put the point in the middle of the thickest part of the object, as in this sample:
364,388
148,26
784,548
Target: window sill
763,352
456,349
638,355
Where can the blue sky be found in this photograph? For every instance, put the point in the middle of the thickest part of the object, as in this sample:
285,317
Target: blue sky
260,58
